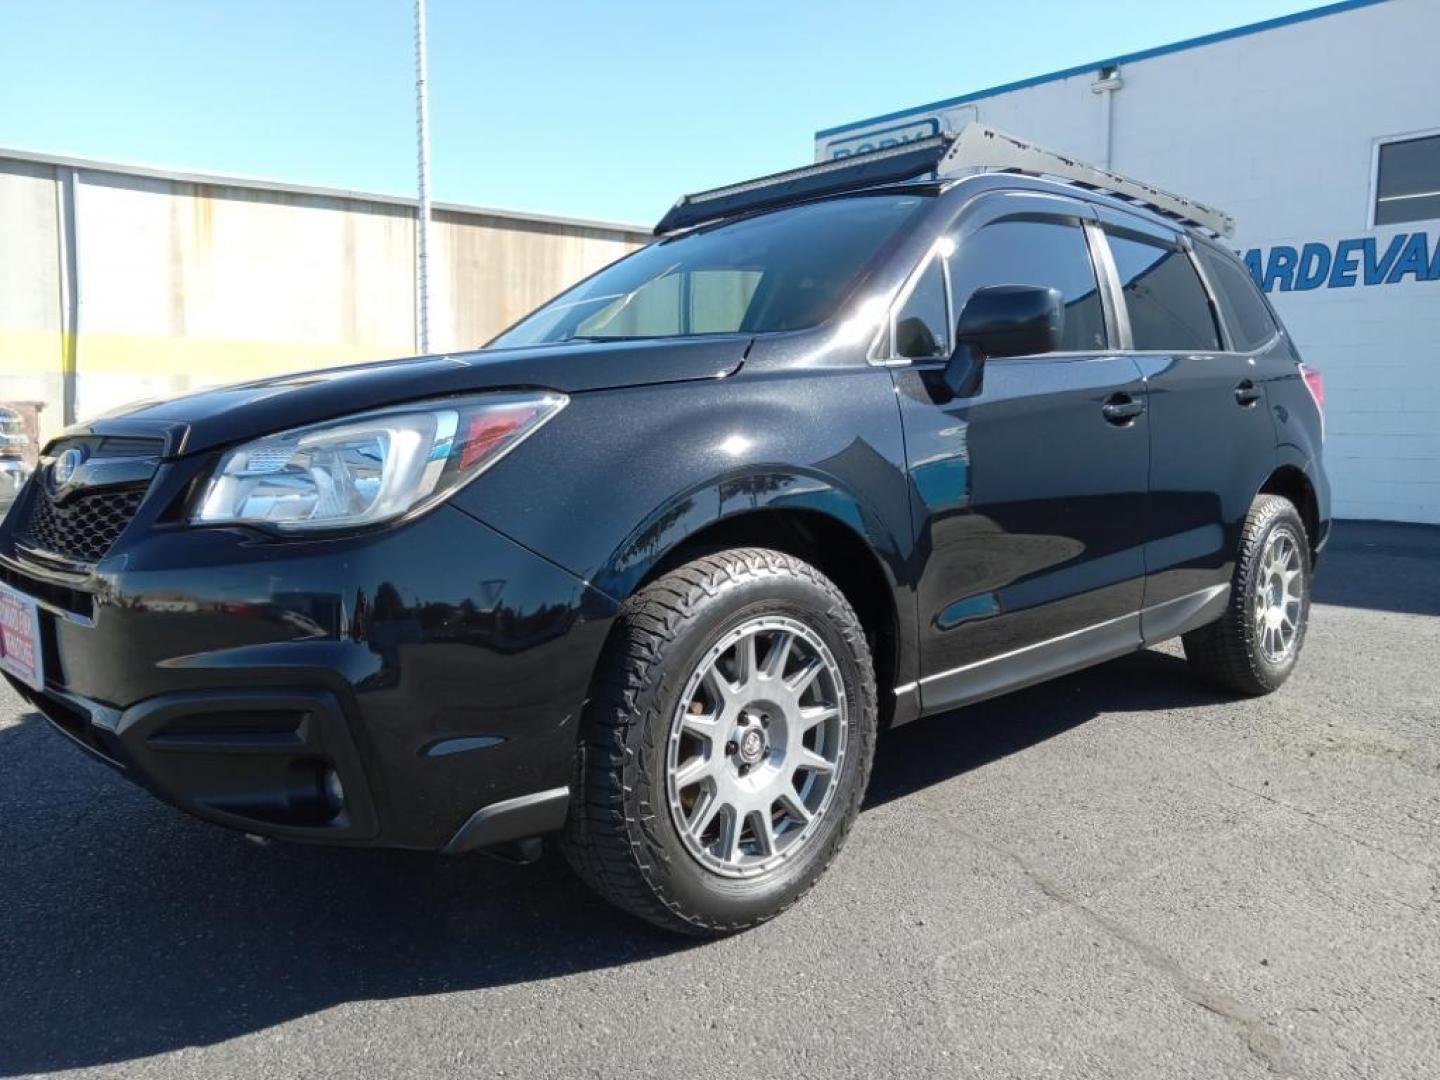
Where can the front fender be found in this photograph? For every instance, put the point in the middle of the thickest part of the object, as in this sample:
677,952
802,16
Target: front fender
620,477
685,514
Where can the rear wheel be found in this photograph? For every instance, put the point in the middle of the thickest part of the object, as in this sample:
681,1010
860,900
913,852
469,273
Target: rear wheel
1254,646
727,745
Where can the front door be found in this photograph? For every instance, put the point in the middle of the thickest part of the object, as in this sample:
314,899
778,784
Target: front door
1029,496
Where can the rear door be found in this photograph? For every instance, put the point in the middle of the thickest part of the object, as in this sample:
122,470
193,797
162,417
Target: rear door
1212,442
1028,497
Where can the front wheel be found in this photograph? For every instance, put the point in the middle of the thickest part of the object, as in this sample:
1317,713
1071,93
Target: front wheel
1255,644
727,744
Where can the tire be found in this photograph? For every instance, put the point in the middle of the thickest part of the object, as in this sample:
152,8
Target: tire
634,832
1239,651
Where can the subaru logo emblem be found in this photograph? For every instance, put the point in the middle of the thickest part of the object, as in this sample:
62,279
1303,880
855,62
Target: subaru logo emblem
65,466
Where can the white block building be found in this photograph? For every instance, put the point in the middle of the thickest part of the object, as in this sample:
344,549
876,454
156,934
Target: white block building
1320,132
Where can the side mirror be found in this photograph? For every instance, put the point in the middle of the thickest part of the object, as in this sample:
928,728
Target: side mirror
1003,320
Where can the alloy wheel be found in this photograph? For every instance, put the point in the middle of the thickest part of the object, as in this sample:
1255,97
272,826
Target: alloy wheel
756,746
1279,597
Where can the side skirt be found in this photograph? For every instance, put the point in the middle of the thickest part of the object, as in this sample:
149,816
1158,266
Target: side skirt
1067,653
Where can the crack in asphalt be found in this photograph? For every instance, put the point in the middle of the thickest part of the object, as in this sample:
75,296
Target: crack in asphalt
1263,1044
1320,823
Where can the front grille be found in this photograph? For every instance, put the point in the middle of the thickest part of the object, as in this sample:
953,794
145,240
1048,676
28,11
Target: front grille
83,528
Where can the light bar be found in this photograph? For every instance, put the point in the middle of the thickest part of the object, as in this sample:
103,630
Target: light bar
890,165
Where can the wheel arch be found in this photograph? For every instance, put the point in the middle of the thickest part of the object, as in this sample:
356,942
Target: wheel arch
1291,482
831,533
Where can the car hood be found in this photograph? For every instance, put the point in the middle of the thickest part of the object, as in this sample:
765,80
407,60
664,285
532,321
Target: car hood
228,414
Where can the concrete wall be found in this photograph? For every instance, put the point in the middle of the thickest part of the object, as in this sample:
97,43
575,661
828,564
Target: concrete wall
173,282
1279,127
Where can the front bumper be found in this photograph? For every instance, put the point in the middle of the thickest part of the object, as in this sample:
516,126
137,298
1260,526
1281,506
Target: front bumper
419,686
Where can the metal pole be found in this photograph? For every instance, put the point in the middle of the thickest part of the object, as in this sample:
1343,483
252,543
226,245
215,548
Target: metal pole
422,225
68,233
1108,82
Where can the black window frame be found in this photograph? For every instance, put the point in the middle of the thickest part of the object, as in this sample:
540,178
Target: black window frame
1377,175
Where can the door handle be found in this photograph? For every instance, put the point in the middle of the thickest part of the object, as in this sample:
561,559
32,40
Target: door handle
1247,393
1122,409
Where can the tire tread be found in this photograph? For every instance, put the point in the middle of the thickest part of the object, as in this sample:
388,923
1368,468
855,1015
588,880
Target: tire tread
621,859
1224,652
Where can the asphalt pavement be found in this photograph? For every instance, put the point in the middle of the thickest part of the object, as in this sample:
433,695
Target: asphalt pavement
1118,874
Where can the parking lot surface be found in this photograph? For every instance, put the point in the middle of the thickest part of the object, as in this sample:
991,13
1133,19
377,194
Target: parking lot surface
1118,874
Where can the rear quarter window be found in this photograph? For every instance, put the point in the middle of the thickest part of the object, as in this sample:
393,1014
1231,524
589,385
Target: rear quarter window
1245,313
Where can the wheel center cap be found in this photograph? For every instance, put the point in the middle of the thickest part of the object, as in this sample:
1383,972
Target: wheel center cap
752,747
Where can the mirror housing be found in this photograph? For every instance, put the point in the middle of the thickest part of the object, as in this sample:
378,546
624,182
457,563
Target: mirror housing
1003,320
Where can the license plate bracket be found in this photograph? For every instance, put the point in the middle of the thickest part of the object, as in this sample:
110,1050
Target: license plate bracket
20,650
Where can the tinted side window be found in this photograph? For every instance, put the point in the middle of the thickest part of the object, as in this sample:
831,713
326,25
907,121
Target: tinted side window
922,326
1027,251
1163,294
1244,312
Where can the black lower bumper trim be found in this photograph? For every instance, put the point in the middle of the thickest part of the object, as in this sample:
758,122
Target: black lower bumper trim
273,762
513,819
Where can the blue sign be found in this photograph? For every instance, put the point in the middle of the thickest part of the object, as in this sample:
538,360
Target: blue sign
1346,264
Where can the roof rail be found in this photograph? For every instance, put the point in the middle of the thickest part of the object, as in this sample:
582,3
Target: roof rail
975,148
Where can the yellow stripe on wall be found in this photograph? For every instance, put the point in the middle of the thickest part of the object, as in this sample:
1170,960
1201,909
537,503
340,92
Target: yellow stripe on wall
35,352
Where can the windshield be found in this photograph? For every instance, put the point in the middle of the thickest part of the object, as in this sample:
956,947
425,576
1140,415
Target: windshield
788,269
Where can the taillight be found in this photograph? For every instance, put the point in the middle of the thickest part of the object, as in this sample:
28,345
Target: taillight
1316,384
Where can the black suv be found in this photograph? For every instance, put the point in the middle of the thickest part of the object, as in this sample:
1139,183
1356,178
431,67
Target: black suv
652,569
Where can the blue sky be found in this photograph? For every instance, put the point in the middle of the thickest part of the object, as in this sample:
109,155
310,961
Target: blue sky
606,109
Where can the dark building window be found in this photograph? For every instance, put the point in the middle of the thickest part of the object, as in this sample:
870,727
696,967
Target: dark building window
1407,185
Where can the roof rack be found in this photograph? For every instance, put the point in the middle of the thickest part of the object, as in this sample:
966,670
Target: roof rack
975,148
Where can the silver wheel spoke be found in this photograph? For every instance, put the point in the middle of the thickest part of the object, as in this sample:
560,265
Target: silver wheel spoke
704,814
778,656
809,761
801,680
745,665
730,835
701,726
795,807
693,770
720,687
815,714
764,831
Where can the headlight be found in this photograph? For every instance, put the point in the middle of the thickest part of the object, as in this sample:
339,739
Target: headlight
369,468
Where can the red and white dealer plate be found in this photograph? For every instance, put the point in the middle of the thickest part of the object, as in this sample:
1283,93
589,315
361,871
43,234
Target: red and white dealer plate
20,638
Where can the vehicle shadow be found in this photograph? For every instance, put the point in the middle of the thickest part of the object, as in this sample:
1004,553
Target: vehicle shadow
937,748
129,929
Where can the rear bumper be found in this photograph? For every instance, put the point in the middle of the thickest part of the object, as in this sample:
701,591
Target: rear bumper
387,689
